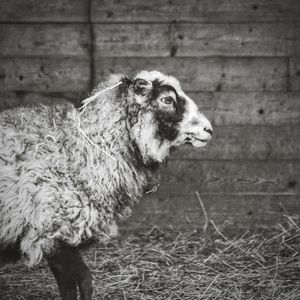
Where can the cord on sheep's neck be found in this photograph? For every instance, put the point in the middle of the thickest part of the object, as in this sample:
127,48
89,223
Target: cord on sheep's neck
82,109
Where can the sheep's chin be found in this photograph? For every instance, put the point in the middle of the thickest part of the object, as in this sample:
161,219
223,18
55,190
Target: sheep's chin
172,149
151,164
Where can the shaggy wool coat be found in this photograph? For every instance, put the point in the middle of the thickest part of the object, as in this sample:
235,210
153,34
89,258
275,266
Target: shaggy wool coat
55,185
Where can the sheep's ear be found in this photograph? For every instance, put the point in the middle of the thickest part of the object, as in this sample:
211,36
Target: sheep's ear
142,86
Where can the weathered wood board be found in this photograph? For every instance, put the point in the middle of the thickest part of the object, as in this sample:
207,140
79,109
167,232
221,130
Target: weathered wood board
195,40
56,11
206,11
206,74
239,108
251,39
33,74
228,210
152,11
182,177
43,40
113,40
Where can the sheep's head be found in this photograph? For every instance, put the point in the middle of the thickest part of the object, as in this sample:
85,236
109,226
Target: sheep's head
163,116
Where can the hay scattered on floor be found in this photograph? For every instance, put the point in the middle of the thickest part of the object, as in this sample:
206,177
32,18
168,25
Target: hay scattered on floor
168,265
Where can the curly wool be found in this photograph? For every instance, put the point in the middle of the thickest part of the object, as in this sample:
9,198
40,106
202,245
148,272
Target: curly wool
54,185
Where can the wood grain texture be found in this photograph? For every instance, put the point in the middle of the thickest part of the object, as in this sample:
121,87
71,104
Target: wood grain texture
252,142
60,11
185,213
271,108
251,39
182,177
205,11
206,74
113,40
194,40
294,72
56,75
33,40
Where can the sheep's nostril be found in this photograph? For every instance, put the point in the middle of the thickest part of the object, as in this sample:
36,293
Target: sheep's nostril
208,130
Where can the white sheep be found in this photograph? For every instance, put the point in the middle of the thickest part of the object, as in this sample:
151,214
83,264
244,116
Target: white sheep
66,175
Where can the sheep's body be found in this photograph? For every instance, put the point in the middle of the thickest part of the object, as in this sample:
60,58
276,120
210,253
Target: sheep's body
55,185
67,174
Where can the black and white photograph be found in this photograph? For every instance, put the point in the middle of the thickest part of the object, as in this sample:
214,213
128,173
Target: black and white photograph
149,150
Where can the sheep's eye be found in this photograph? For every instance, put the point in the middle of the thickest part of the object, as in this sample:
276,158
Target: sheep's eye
167,100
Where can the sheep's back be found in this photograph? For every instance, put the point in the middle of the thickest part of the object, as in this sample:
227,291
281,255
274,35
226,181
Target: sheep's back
54,185
28,133
29,144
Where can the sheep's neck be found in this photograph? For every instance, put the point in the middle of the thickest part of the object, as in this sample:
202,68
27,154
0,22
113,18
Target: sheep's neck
105,180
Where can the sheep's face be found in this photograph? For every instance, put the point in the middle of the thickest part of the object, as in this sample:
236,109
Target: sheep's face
166,117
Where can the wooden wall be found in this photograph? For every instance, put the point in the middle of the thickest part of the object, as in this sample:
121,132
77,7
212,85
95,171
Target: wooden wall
238,59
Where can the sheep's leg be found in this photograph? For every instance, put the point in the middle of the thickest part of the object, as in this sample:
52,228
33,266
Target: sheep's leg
83,276
61,267
70,270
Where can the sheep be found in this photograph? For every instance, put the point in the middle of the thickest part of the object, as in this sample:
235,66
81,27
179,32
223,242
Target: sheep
67,175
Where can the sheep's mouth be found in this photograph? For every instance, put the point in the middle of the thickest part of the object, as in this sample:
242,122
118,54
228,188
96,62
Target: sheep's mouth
202,140
196,142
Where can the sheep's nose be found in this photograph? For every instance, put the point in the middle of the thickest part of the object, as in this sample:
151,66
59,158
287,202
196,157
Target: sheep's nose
208,130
